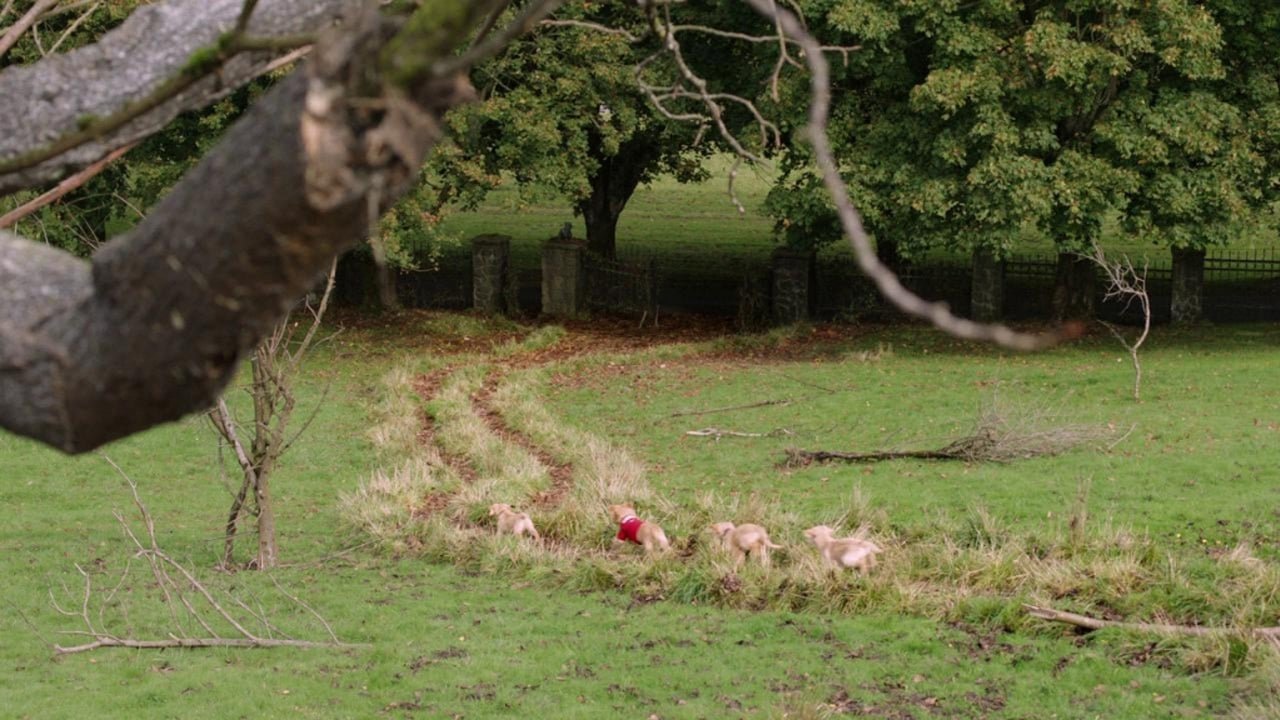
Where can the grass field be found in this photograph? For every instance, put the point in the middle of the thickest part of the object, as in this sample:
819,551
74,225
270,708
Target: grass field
684,224
1178,522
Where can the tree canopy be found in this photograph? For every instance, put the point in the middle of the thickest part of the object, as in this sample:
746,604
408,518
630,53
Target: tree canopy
963,124
572,107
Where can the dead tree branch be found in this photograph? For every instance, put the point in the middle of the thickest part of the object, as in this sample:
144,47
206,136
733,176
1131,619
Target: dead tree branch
64,187
1125,282
1270,634
188,599
165,44
762,403
24,23
718,433
997,437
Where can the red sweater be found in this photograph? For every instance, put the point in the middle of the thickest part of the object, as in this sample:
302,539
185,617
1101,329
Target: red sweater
629,527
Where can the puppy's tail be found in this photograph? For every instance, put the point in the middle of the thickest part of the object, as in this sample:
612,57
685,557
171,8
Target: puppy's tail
772,545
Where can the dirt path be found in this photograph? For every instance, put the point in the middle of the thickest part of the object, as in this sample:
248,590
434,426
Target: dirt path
426,386
561,472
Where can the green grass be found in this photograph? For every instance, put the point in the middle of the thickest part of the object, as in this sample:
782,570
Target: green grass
696,225
676,222
478,635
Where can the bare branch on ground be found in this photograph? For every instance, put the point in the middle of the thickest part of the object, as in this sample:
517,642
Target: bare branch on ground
190,603
718,433
762,403
997,437
1270,634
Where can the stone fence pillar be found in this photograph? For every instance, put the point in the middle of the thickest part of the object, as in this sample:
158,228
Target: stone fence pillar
791,285
490,263
564,280
1187,303
986,296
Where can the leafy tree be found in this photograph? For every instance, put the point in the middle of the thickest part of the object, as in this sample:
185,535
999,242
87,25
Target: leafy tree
562,109
961,125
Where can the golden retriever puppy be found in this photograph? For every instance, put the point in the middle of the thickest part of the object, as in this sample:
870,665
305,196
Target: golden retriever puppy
510,521
850,552
634,530
745,539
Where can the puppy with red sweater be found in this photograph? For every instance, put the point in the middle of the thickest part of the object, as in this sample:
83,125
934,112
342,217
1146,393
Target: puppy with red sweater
631,529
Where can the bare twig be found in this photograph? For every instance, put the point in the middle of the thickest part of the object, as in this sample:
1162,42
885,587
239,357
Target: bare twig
73,26
178,587
1124,281
24,23
717,433
762,403
64,187
529,17
1091,623
605,29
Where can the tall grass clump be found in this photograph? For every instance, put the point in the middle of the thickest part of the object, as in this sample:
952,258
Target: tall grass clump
397,413
382,506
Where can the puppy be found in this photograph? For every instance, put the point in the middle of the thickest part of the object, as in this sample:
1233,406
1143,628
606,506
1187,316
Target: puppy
744,539
510,521
850,552
633,529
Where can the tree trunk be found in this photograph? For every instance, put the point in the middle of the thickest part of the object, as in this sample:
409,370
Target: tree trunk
1074,288
153,327
268,553
612,185
887,251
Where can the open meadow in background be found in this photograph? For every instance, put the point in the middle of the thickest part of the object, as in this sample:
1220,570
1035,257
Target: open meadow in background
1171,515
680,223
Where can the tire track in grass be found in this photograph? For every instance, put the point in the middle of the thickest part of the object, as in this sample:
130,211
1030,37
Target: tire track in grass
427,387
561,473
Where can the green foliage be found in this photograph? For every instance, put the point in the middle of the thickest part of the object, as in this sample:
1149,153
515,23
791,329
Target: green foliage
561,112
963,124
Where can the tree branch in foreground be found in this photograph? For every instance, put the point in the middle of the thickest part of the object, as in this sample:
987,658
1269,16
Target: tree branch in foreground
65,96
153,328
189,601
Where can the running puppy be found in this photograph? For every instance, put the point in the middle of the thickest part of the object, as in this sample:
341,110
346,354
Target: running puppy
743,540
510,521
633,529
850,552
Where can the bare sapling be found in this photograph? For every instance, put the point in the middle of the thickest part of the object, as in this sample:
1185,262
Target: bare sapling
199,616
274,365
1124,282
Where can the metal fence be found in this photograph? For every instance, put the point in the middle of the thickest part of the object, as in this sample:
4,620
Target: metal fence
1239,286
622,286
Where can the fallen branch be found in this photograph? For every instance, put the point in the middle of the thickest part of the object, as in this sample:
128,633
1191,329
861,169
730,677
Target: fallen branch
797,457
188,600
996,438
763,403
1271,634
717,433
179,642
